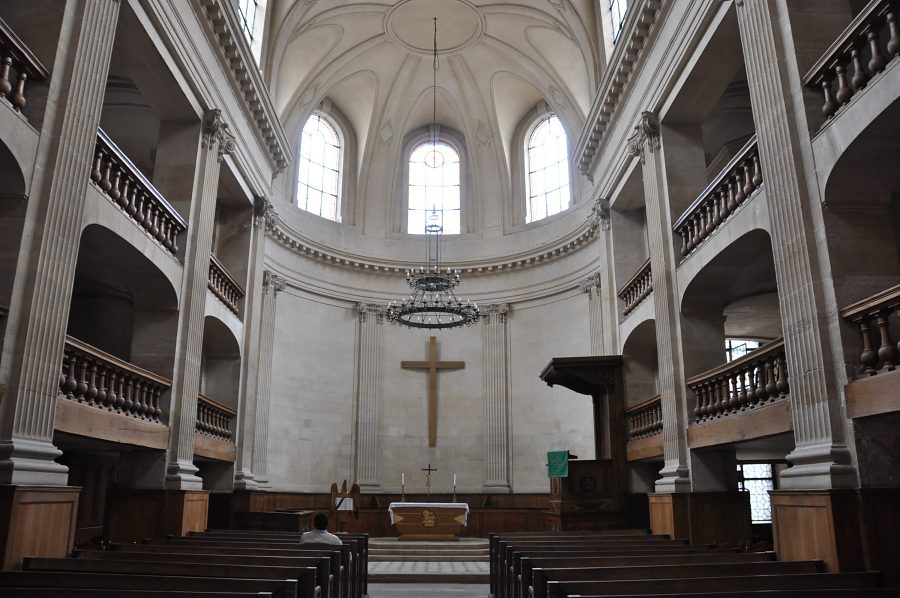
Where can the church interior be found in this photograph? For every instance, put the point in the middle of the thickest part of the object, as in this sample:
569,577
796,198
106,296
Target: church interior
607,276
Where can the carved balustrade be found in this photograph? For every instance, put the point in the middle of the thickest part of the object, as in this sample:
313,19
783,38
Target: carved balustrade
214,419
223,285
18,65
864,49
872,316
637,288
740,178
757,378
644,419
121,181
98,379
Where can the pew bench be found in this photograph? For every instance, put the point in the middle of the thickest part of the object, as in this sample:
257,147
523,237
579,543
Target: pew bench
102,593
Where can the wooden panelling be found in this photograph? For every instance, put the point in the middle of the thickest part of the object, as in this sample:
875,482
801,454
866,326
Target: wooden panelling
767,420
644,448
881,528
213,448
36,521
93,422
135,514
94,474
702,517
873,395
818,524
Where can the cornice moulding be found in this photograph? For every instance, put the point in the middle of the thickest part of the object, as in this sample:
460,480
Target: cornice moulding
239,60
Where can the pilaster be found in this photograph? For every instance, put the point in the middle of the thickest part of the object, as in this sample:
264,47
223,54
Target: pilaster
244,479
497,446
366,450
591,285
646,144
820,458
41,297
216,141
272,285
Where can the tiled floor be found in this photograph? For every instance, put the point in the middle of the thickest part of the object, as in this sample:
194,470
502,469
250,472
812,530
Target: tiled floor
440,567
427,590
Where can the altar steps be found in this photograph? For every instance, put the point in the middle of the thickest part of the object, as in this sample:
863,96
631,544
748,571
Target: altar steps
395,561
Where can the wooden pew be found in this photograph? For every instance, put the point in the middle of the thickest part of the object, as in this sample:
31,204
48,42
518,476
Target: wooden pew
790,581
833,593
279,588
91,593
540,576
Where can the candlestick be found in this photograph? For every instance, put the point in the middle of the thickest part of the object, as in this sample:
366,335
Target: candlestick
454,480
402,478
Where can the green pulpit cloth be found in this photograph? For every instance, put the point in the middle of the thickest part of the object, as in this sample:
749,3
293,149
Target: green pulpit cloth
558,464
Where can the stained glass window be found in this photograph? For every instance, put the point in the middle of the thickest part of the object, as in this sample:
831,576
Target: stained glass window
757,479
617,11
434,186
319,169
548,170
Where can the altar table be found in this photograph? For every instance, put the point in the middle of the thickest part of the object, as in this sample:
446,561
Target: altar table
429,520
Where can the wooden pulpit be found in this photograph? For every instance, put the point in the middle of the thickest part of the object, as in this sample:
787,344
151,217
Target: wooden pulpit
344,505
593,495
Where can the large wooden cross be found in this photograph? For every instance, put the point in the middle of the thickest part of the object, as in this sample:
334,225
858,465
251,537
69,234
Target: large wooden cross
432,365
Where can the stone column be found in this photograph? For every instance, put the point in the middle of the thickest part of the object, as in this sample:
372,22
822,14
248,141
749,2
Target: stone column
495,343
820,458
591,286
646,144
366,449
39,308
244,479
272,285
216,141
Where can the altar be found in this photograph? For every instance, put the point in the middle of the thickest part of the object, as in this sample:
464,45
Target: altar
429,520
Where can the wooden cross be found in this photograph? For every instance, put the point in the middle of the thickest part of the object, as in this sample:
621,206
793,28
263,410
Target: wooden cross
432,365
428,471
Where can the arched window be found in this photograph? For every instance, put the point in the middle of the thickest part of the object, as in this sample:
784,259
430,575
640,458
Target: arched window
319,169
434,187
547,163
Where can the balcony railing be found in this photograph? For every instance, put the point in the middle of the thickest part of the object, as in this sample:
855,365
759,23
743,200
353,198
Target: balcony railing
740,178
644,419
872,317
637,288
863,50
223,285
120,180
757,378
214,419
99,379
17,66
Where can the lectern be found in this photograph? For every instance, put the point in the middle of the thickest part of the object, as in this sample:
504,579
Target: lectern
593,496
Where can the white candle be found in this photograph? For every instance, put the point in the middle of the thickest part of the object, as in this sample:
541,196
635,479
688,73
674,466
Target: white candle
454,480
402,479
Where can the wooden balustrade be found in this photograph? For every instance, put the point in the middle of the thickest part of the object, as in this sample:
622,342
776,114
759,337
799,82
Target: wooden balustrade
863,50
637,288
873,318
223,285
757,378
644,419
17,66
214,419
121,181
91,376
740,178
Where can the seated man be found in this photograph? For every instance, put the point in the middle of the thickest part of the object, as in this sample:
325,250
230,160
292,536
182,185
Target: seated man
320,535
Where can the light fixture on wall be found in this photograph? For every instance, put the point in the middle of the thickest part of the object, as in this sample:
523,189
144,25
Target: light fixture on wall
432,303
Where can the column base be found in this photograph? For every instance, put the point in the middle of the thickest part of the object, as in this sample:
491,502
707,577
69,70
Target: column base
135,514
674,479
245,480
496,488
182,475
702,517
36,521
29,462
818,467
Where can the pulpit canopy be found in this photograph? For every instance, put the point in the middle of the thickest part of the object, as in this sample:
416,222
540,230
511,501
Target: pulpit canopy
594,375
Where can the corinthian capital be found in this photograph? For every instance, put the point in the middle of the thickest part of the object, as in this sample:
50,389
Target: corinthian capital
498,310
645,137
215,129
599,216
590,283
263,212
270,279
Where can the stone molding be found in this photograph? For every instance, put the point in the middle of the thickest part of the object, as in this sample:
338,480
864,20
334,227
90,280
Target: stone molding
293,241
216,129
645,137
238,59
628,51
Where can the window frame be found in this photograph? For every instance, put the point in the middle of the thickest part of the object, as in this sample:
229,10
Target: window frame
533,124
340,208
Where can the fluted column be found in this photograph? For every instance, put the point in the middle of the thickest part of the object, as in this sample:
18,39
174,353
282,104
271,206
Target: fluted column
495,343
37,318
366,449
272,285
591,286
216,141
820,458
244,479
646,144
